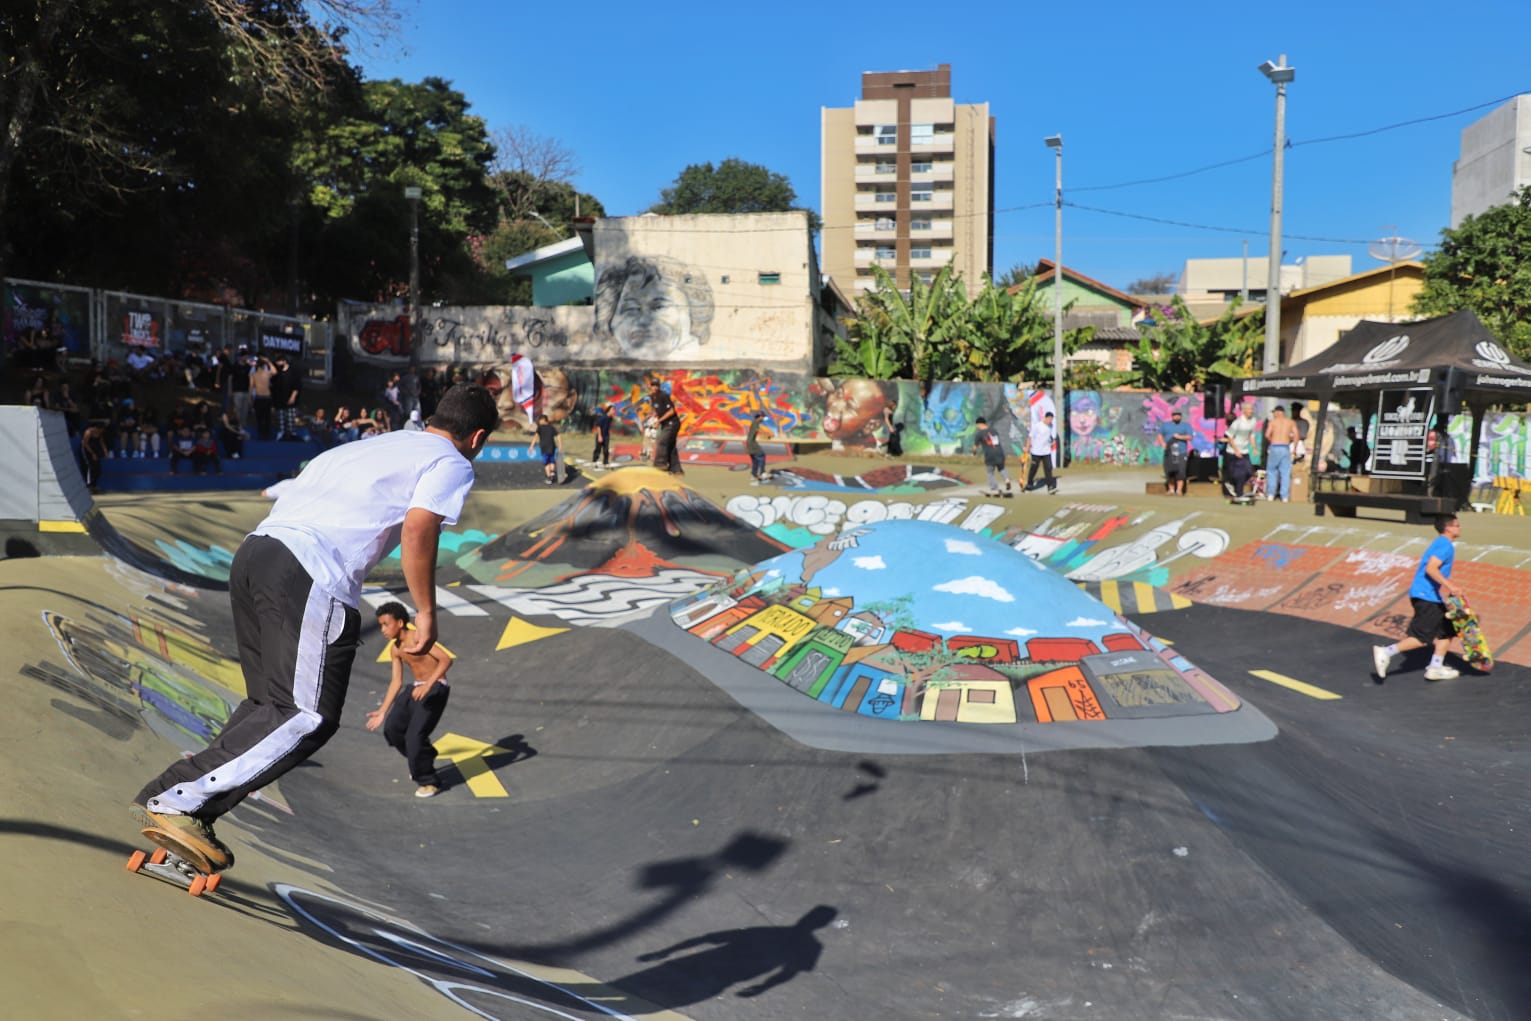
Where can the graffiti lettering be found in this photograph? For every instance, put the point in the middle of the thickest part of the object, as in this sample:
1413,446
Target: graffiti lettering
787,517
1276,555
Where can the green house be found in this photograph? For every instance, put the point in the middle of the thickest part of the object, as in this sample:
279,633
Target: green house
561,273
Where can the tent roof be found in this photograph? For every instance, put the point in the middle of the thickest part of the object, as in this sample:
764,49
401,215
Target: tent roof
1387,356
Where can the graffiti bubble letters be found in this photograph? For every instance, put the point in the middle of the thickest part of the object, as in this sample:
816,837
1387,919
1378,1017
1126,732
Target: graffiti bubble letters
826,515
1372,562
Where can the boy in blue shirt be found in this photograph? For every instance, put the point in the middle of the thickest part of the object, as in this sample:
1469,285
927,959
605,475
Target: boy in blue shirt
1432,585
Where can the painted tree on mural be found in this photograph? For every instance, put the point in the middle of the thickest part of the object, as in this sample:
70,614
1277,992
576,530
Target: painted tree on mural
935,332
1484,264
1180,353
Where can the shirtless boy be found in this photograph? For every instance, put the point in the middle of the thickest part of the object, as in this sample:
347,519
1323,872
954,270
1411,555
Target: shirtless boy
408,719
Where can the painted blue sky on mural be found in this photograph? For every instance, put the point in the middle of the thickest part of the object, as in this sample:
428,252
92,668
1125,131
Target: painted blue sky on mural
959,583
1167,123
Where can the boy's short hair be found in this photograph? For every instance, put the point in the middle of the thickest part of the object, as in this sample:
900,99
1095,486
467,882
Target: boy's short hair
464,410
980,420
1442,520
395,610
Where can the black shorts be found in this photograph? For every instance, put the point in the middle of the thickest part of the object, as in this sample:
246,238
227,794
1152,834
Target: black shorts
1174,467
1430,621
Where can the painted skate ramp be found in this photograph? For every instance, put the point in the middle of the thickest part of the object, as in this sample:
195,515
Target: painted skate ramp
660,848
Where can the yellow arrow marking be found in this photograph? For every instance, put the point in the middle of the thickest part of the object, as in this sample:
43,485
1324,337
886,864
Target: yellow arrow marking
385,655
519,632
469,757
1296,685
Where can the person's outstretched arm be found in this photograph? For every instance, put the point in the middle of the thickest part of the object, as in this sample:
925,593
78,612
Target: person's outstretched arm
418,541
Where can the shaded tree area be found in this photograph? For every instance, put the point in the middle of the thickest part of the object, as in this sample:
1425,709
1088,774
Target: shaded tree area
228,151
1484,264
1178,352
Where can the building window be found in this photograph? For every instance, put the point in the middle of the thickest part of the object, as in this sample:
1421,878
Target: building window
920,223
921,167
922,134
887,196
919,252
886,252
925,276
887,134
770,278
887,223
922,193
887,167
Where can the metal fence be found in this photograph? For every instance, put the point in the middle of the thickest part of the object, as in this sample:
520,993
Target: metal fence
83,322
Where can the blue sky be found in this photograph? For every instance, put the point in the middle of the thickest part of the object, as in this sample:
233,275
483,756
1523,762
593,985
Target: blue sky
639,91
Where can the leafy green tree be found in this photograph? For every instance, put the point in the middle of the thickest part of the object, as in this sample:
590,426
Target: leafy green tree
934,332
137,126
1484,264
733,186
1158,283
355,166
1180,353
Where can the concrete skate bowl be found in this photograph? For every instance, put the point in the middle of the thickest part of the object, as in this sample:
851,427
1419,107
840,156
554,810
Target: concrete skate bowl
632,832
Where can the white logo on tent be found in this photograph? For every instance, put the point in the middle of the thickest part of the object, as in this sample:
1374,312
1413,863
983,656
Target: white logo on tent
1387,350
1492,352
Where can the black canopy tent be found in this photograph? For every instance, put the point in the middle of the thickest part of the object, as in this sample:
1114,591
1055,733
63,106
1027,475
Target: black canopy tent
1454,357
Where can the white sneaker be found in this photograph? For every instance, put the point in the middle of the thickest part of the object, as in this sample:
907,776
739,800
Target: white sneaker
1381,660
1441,673
427,790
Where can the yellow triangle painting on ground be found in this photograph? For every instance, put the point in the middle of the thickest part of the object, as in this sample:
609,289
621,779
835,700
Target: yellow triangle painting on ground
384,656
519,632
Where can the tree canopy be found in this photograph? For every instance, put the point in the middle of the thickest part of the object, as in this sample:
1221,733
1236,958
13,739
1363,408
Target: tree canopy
1178,352
1484,264
733,186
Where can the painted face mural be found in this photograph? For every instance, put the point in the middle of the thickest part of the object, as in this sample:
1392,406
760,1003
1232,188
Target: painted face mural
853,412
653,307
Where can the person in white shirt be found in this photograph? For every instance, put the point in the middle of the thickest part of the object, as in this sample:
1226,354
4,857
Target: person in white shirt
295,585
1043,438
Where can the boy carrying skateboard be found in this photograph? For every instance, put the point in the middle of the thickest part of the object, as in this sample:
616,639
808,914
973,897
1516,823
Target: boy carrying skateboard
408,718
1431,588
548,443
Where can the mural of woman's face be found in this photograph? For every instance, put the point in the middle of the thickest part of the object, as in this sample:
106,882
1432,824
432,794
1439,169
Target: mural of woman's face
854,407
1083,418
652,317
558,394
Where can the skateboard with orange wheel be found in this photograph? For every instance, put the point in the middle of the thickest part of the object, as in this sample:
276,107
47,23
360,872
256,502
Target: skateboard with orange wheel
184,869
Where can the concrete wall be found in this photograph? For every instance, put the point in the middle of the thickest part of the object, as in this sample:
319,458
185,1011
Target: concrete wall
1493,164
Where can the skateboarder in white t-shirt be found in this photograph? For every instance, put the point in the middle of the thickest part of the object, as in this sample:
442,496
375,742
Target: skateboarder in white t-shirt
295,585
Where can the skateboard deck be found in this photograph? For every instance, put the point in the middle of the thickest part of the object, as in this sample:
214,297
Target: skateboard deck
175,863
1475,647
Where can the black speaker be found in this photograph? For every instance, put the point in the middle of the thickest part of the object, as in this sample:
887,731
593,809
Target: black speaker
1212,401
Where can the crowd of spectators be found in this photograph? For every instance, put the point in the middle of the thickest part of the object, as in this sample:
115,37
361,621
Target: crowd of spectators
217,401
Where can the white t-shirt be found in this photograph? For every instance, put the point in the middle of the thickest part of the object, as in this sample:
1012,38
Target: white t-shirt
345,511
1042,435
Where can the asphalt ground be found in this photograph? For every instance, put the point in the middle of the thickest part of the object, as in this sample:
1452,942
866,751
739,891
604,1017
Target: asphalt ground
658,848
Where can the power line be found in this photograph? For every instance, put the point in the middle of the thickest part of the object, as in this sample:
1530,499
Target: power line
1208,226
1293,145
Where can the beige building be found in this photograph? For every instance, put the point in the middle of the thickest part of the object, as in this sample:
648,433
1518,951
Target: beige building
907,181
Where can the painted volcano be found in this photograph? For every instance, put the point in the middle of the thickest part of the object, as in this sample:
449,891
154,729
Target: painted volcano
634,522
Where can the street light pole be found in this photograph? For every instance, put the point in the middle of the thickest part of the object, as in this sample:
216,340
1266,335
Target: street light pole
412,193
1279,74
1055,143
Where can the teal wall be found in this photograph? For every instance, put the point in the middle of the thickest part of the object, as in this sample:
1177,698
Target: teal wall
566,280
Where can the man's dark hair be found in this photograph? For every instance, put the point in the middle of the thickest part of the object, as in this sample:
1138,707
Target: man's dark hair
1442,520
395,610
464,410
980,420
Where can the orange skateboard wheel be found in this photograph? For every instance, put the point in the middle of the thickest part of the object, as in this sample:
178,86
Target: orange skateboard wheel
136,861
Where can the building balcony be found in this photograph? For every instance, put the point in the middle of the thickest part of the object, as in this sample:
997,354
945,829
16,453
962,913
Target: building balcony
867,202
938,144
867,173
938,229
868,145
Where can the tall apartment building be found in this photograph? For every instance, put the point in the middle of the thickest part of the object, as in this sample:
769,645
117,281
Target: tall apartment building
907,181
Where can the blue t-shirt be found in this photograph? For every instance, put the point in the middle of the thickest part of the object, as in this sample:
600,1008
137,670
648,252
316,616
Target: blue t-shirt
1423,588
1169,430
